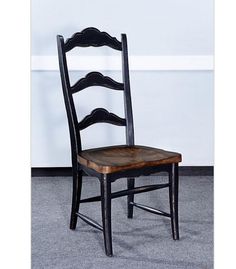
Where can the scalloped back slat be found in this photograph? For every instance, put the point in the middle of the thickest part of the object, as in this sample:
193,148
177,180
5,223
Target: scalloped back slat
101,115
92,37
96,79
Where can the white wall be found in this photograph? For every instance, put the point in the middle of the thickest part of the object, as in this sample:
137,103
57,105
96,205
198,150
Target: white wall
154,27
172,109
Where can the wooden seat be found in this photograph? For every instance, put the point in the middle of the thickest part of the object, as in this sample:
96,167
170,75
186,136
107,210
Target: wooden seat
119,158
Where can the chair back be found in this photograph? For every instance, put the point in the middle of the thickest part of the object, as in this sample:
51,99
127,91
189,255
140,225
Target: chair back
93,37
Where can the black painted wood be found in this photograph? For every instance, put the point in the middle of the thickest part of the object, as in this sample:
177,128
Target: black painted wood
101,115
92,37
106,214
69,104
146,171
130,197
151,209
96,79
90,221
129,191
77,186
74,133
128,115
127,95
173,196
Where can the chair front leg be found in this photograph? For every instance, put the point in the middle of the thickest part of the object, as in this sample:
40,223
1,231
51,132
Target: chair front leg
106,214
130,198
77,186
173,197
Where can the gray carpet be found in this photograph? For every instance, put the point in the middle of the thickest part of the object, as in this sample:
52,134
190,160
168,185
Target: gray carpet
142,242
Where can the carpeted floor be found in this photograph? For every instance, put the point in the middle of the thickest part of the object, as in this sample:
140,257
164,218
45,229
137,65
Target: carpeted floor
142,242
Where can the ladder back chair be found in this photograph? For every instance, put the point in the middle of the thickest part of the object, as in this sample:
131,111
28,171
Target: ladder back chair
111,163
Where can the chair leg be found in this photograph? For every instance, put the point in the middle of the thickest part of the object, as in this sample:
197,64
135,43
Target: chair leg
173,196
106,214
130,198
77,185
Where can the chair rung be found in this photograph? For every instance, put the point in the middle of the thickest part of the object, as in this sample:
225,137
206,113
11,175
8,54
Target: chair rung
127,192
151,209
89,221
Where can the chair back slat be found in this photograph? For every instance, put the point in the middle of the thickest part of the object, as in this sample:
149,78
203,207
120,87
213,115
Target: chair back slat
92,37
100,115
96,79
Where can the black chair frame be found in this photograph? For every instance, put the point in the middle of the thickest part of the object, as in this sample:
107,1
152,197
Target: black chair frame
93,37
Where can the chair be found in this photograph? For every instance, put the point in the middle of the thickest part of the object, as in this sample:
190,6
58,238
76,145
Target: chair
111,163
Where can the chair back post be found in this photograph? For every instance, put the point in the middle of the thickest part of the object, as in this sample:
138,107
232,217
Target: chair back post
69,104
127,94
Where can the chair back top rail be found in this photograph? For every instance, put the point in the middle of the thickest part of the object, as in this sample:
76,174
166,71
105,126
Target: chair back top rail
92,37
96,79
100,115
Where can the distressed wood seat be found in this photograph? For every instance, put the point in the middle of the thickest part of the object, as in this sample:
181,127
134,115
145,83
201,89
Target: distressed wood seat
119,158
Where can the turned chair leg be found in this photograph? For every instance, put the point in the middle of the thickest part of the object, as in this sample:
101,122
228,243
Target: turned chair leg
173,196
106,214
77,185
130,198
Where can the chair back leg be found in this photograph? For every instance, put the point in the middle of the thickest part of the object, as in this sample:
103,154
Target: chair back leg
77,186
173,197
130,198
106,214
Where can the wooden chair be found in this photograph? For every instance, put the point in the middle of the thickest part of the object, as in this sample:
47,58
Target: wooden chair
110,163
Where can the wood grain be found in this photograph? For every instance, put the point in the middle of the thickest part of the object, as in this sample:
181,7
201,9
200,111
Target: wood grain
118,158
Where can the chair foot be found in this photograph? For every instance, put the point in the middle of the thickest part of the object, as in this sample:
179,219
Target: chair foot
106,214
77,185
73,222
173,197
130,198
176,237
